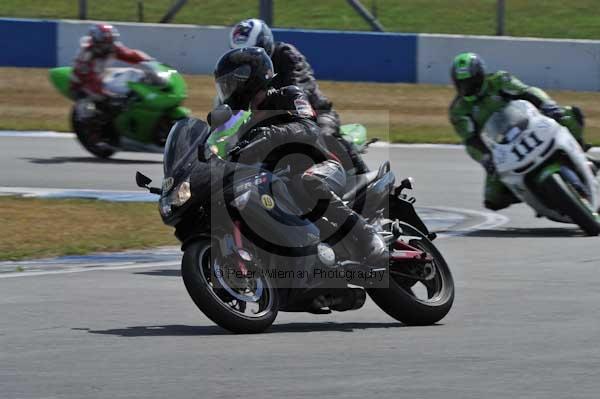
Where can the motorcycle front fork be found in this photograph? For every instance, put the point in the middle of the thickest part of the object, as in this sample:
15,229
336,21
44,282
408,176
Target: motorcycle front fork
232,245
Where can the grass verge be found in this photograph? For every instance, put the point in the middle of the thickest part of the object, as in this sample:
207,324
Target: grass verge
550,18
410,113
34,228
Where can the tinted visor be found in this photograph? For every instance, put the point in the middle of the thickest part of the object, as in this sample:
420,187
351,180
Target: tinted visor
232,82
103,48
470,86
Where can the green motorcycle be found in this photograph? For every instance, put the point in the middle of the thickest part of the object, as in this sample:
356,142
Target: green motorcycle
154,98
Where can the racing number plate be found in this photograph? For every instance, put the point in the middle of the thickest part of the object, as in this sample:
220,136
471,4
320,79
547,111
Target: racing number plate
526,145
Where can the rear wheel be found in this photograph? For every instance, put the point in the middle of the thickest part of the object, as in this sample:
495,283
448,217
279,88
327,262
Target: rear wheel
416,298
92,134
240,305
569,201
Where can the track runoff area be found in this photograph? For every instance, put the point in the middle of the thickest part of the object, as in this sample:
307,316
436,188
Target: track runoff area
522,324
445,220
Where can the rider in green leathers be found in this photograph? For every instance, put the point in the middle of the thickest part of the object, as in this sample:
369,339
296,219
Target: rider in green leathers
479,95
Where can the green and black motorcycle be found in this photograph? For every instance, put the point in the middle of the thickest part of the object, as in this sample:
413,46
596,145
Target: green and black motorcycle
143,124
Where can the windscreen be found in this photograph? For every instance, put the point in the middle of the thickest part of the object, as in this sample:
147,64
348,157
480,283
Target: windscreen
506,124
181,149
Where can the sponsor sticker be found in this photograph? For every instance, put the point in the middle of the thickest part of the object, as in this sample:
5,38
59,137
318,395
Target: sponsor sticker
303,108
267,201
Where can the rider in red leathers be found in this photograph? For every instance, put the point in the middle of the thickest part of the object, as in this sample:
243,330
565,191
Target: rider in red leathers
97,49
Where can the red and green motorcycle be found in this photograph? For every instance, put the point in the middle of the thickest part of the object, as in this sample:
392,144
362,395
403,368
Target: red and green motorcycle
154,98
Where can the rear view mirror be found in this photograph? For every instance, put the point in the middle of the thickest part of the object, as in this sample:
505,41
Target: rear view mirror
220,115
142,180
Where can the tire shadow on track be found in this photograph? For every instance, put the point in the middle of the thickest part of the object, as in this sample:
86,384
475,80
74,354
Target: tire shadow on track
61,160
538,232
184,330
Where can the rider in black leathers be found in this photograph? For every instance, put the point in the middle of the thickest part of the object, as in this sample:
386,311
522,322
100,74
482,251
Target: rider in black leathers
282,132
292,68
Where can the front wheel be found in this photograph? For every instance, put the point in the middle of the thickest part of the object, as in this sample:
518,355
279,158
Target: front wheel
162,130
239,304
567,199
418,299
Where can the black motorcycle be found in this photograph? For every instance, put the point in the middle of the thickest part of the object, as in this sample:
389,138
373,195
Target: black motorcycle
250,251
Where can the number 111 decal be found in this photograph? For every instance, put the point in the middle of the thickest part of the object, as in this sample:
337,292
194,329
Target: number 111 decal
526,146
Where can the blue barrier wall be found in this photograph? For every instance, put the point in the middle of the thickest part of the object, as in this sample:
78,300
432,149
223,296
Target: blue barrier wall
356,56
27,43
349,56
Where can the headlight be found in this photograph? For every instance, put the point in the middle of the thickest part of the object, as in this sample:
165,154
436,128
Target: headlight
181,194
241,200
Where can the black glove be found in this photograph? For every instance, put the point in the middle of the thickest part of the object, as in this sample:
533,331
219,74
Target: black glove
254,135
553,111
236,149
258,133
488,164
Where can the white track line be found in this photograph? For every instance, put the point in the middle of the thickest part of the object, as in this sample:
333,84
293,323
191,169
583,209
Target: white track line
385,144
81,269
50,135
491,221
378,144
59,135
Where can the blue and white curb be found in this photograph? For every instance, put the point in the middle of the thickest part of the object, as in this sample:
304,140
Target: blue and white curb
64,193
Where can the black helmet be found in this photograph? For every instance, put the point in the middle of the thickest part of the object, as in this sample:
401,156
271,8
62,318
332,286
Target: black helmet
468,75
252,33
240,74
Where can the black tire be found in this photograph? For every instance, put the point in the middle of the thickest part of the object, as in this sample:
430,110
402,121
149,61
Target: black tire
207,301
162,130
399,302
82,132
568,201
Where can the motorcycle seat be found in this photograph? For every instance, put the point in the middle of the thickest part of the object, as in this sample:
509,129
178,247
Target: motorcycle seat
357,183
360,182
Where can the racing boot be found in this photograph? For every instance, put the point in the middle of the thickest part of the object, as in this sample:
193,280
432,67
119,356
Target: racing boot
594,162
369,247
340,224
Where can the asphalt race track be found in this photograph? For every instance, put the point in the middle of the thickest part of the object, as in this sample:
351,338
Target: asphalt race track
525,323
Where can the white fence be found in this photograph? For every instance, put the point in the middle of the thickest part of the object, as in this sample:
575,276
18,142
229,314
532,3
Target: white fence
556,64
381,57
192,49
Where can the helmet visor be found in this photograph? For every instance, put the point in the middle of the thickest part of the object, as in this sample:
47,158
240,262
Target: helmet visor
103,48
469,87
231,82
